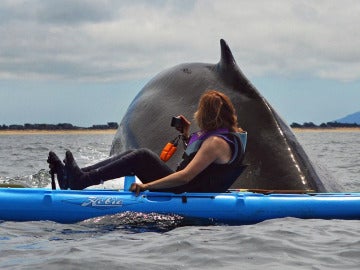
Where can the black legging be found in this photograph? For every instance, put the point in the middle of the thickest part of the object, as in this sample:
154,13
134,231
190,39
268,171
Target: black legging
144,163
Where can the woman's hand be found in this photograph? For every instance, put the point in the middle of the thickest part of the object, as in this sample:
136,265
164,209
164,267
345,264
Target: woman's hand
137,188
186,126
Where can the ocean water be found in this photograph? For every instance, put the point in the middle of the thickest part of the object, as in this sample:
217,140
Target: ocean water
158,242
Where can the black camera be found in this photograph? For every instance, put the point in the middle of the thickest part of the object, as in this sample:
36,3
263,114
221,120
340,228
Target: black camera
177,123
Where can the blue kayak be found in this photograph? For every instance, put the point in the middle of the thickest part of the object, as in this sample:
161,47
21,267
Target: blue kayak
70,206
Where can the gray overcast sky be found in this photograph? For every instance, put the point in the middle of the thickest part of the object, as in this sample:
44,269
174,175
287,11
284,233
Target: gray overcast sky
83,61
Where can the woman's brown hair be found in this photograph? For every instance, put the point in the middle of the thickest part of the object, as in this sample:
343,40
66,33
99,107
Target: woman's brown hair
215,110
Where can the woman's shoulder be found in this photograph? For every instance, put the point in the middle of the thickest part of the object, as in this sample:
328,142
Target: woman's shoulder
216,141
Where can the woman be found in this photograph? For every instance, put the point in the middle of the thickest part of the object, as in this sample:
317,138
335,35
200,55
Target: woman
211,162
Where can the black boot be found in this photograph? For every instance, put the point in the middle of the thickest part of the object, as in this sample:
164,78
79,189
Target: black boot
58,168
78,179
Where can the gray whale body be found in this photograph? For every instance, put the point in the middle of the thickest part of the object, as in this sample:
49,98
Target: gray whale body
275,159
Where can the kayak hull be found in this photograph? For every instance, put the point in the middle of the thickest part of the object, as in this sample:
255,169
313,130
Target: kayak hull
70,206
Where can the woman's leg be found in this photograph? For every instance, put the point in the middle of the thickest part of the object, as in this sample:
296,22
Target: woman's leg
145,164
105,162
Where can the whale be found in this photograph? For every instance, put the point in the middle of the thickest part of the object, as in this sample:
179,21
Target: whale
274,158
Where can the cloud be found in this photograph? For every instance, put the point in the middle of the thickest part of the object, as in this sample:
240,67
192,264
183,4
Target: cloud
119,40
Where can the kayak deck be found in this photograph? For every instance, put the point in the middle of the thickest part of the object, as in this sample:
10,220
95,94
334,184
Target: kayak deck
70,206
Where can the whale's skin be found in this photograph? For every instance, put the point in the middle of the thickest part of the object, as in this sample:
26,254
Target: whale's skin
275,159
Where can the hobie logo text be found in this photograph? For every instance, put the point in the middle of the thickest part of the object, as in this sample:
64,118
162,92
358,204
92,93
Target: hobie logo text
102,201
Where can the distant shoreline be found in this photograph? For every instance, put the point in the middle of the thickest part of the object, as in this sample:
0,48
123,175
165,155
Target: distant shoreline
54,132
113,131
330,129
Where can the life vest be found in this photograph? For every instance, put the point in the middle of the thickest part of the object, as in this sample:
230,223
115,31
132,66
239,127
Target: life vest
216,177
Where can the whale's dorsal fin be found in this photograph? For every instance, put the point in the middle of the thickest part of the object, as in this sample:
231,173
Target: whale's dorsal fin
231,72
227,59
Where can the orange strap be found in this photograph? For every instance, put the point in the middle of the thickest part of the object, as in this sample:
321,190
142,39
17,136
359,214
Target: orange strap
168,151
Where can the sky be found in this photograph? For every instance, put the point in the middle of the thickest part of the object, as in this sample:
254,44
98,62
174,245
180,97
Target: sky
82,61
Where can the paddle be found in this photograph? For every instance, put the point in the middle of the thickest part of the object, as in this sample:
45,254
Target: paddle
7,185
275,191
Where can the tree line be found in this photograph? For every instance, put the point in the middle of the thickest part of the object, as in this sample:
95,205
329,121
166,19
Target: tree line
114,125
61,126
324,125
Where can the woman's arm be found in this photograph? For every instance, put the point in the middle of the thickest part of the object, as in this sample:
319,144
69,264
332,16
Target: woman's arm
213,149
